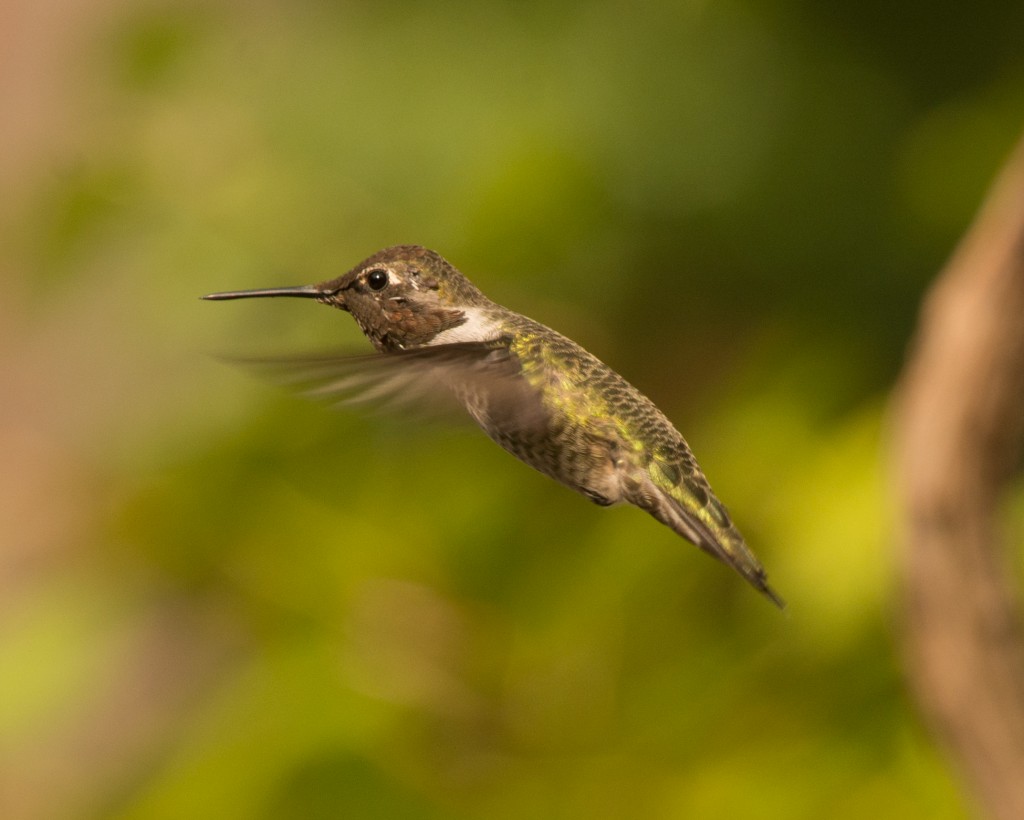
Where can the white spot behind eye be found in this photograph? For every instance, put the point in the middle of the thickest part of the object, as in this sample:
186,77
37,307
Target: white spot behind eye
478,327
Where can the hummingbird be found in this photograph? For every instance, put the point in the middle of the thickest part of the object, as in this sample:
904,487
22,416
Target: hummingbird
536,393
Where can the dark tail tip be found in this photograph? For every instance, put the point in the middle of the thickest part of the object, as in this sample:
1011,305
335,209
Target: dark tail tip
772,595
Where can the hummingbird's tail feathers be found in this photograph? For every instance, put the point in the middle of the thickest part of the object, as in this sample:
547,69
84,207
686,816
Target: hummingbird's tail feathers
703,520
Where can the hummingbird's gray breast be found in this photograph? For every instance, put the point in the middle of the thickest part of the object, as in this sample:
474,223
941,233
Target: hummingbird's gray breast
560,410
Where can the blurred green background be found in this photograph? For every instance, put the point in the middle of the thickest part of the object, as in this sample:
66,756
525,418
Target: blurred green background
220,600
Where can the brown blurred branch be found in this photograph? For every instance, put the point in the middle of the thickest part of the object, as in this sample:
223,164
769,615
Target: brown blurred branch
959,437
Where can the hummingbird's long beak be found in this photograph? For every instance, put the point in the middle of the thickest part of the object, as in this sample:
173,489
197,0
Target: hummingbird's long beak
306,291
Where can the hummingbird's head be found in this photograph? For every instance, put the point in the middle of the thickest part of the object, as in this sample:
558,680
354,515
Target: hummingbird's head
401,297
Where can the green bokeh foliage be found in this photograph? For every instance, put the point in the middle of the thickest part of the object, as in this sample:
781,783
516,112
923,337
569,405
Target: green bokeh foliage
738,205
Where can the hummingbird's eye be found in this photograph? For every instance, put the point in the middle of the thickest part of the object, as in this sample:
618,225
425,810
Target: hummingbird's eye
377,279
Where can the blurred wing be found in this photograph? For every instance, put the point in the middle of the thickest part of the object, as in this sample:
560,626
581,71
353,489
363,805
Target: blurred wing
429,378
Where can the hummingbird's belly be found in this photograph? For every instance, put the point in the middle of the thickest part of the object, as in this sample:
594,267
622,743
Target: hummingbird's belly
581,456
